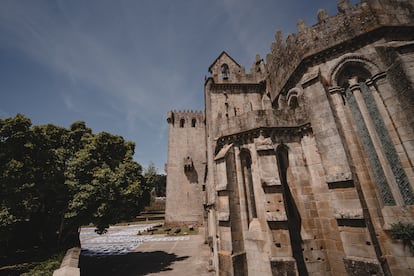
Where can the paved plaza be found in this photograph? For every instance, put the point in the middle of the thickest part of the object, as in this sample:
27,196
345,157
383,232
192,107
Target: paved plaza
123,251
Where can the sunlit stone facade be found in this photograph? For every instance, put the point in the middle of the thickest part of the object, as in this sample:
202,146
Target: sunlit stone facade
302,165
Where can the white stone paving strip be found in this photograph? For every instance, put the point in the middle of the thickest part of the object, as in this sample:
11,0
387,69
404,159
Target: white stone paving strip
119,240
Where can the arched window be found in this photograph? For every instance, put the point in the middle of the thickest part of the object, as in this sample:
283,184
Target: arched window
182,122
283,160
293,102
293,97
225,72
392,183
193,122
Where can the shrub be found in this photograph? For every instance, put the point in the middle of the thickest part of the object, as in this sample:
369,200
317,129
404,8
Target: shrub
404,232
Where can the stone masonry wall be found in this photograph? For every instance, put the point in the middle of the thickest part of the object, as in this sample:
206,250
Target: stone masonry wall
328,35
185,168
290,186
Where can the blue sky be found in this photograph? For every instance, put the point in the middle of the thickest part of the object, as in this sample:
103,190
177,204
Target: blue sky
121,65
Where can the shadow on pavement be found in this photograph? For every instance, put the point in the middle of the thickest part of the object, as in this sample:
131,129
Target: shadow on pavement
134,263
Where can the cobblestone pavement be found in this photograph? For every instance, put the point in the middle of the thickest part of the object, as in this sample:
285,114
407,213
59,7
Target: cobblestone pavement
122,252
119,240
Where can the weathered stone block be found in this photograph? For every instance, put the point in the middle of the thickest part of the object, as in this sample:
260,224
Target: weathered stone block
360,266
283,267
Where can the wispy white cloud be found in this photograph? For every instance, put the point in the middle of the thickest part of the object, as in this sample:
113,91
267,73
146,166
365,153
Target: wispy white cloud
68,102
137,82
123,64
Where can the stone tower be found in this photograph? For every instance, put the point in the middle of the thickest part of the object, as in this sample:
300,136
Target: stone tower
185,168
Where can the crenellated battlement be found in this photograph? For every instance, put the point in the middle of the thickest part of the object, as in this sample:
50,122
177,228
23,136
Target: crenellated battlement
186,118
187,111
329,33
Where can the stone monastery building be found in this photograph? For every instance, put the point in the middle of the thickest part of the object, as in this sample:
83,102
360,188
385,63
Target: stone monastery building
302,165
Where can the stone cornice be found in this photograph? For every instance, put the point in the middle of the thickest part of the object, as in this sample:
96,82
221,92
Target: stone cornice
374,79
277,134
237,87
261,119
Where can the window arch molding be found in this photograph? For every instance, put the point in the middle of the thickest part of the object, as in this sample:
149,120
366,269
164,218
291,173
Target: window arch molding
354,61
293,97
281,101
354,76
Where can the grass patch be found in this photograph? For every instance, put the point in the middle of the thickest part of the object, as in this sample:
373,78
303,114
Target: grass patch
139,222
126,223
178,231
46,266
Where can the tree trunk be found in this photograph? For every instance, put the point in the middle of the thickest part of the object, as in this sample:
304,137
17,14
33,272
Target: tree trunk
69,235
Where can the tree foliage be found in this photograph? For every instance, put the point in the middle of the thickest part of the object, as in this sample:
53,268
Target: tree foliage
404,232
155,181
53,180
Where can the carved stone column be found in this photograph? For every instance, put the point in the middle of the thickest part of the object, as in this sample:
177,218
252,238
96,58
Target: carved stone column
355,88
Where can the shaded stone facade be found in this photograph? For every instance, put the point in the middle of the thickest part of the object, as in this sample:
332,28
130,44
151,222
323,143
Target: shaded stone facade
185,168
308,159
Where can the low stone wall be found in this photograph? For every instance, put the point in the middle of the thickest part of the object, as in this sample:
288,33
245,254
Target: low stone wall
70,263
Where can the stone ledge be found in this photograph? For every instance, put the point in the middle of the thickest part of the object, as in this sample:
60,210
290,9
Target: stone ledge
221,187
339,177
223,216
276,216
67,271
267,182
292,121
356,213
70,263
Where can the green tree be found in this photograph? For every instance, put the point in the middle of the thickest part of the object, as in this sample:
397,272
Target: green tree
49,155
156,182
104,183
17,183
53,180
